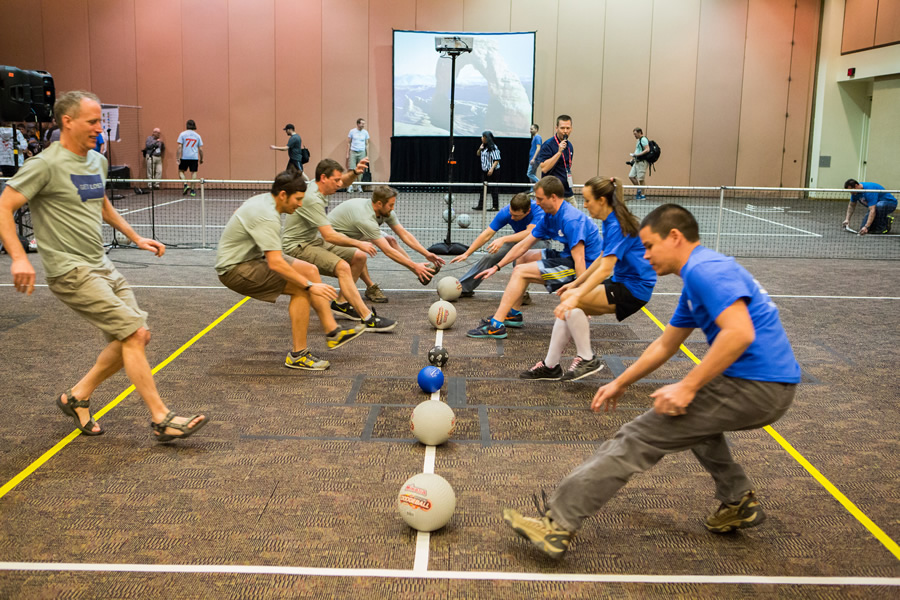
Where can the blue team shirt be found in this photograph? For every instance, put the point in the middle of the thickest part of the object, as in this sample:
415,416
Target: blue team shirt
871,198
562,167
712,283
632,269
570,226
535,142
503,218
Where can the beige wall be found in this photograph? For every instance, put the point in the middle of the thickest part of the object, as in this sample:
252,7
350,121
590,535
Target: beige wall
848,107
711,80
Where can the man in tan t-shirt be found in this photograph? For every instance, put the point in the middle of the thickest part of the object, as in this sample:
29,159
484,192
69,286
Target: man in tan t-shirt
64,189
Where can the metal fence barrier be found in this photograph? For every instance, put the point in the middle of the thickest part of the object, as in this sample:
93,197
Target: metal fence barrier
738,221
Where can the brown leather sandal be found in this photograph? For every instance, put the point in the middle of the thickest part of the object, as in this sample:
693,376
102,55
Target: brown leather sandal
69,407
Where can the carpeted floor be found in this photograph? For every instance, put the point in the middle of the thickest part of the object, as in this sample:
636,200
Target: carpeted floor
301,469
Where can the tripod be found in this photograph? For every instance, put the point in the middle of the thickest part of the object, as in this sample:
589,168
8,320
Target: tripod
448,246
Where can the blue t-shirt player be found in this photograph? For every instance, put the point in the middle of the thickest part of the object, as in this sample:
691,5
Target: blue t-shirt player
521,214
563,223
746,380
879,205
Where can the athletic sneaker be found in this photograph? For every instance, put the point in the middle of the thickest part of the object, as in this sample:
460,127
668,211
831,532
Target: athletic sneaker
550,538
185,190
514,320
193,193
581,368
465,294
890,224
345,310
486,330
746,513
380,324
306,361
343,336
526,299
374,294
541,372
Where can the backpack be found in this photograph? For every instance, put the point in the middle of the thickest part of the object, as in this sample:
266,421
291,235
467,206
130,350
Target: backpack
652,156
304,155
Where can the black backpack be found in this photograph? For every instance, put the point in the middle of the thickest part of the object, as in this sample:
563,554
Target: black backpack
652,156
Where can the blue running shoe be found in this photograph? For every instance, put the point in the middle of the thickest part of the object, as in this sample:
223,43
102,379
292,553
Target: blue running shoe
486,330
514,320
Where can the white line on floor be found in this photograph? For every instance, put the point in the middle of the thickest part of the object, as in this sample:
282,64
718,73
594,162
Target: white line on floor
450,575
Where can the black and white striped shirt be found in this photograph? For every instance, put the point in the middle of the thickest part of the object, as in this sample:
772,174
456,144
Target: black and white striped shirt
488,157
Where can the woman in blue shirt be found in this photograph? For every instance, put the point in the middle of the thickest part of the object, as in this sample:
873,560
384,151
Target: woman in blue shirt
621,281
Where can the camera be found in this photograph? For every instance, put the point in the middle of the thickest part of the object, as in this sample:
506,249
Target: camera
629,163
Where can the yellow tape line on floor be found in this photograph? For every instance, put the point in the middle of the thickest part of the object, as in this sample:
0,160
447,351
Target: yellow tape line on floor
9,485
874,529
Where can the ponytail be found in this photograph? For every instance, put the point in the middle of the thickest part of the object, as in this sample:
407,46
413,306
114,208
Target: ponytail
611,190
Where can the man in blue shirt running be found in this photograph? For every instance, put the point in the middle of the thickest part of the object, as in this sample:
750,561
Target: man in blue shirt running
879,206
746,380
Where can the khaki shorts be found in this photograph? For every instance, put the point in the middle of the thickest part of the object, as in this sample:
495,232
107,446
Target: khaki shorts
326,257
638,169
254,278
102,297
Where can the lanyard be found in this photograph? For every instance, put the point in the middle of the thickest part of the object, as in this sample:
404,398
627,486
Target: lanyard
566,155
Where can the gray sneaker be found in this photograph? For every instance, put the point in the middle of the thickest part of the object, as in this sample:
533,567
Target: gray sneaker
374,294
541,372
526,299
745,513
581,368
307,361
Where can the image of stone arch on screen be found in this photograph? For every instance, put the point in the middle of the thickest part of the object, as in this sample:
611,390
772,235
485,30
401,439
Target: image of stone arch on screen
494,85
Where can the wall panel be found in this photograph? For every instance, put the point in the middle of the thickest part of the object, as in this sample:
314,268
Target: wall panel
111,26
205,71
251,87
887,24
160,87
579,82
487,15
859,24
383,19
717,109
764,98
542,17
673,73
67,47
298,79
345,82
446,15
23,34
626,81
800,93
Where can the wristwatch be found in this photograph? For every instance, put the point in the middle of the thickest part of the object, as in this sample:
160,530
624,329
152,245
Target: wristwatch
308,285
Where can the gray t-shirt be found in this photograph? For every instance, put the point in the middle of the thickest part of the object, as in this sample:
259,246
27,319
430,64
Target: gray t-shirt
253,230
65,195
356,219
295,148
302,227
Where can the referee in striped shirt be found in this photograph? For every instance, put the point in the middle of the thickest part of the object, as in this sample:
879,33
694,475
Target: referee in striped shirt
490,167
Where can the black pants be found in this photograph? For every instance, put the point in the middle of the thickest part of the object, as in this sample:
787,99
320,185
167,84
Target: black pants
495,194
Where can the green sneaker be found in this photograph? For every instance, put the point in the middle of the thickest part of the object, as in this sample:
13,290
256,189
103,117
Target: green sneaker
549,538
306,361
342,336
746,513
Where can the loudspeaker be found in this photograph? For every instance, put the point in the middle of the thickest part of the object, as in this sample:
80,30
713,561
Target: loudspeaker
15,94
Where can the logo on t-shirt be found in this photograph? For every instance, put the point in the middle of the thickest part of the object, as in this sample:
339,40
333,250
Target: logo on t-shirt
90,187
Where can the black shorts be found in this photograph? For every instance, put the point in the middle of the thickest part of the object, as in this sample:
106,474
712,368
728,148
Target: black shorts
294,165
188,164
619,296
